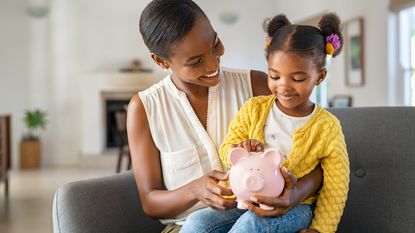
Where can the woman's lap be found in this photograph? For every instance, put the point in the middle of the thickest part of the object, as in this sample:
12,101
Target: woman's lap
235,220
296,219
211,220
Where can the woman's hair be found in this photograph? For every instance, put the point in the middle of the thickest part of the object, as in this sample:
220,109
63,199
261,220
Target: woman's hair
165,22
305,40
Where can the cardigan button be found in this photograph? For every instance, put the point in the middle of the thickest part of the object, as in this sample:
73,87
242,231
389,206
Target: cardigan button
360,172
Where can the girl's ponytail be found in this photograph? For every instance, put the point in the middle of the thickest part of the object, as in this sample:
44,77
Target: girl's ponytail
330,27
272,25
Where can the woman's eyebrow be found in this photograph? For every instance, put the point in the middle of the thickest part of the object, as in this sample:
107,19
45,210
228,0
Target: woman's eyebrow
194,57
200,55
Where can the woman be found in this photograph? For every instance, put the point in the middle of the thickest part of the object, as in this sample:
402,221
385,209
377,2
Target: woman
176,126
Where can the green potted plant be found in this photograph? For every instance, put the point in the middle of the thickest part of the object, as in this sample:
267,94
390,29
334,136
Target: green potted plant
30,147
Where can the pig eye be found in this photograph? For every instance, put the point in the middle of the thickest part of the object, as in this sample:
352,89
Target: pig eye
257,169
250,169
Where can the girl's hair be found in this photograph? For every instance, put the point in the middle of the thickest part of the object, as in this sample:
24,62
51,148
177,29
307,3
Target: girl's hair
164,22
304,40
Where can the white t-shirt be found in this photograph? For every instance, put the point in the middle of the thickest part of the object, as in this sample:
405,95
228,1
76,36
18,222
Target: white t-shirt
280,128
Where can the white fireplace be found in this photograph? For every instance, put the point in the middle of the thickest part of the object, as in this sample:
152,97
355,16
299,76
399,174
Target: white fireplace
97,89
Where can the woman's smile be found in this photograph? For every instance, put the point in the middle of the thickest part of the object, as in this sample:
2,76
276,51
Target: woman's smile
212,77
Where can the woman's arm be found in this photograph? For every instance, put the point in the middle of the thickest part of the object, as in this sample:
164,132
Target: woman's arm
259,83
158,202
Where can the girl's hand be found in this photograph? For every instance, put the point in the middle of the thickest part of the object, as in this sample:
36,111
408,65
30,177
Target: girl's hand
308,230
208,190
251,145
282,204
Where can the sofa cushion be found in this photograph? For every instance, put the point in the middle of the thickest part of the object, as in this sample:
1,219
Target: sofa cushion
381,147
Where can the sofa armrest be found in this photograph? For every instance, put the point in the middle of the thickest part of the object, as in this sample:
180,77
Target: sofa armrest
107,204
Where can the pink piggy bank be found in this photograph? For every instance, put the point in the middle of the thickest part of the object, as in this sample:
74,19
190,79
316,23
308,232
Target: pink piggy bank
255,173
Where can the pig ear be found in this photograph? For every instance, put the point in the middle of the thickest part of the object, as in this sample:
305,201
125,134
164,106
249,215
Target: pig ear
273,155
236,153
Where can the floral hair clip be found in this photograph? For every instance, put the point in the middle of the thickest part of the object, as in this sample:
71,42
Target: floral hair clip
333,43
268,40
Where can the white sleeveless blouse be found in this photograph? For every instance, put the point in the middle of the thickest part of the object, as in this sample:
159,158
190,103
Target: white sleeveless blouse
187,150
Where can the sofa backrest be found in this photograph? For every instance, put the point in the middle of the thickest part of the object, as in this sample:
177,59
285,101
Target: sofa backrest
381,146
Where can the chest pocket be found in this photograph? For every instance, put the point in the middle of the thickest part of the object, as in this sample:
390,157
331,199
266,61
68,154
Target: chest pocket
180,167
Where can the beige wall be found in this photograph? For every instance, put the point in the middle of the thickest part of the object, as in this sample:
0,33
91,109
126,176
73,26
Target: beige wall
14,65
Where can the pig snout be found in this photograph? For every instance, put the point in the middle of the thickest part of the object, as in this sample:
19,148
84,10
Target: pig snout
253,182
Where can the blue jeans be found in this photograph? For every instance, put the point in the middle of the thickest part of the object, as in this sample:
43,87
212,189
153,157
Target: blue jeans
238,221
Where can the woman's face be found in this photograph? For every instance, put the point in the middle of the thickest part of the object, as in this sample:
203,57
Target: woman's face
195,59
292,78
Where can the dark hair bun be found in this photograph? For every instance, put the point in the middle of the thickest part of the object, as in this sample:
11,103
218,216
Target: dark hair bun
272,25
330,24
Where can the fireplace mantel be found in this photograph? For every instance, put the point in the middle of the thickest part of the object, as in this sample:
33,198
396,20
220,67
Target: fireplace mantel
96,87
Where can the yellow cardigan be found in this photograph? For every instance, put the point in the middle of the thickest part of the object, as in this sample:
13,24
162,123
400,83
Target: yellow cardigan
320,140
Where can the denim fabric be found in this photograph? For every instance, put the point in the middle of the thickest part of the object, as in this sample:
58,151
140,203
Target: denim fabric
210,220
296,219
240,221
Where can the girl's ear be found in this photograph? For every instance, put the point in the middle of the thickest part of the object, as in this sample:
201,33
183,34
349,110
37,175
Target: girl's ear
162,62
321,76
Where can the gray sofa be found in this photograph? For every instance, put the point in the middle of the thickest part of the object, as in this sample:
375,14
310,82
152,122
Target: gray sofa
381,145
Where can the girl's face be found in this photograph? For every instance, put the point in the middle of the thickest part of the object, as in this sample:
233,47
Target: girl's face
291,78
195,59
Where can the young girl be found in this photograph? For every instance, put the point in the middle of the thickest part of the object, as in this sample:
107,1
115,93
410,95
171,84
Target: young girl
287,120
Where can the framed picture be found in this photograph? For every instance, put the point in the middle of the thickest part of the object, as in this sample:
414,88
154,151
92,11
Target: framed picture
341,101
354,47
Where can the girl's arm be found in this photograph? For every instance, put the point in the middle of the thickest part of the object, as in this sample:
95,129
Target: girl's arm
238,132
158,202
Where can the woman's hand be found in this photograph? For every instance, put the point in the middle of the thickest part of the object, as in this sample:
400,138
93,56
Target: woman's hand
208,190
308,230
251,145
282,204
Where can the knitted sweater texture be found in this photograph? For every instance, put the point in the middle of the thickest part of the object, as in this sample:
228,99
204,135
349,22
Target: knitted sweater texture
319,141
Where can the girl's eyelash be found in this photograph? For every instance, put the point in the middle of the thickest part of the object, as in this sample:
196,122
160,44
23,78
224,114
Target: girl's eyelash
295,80
298,80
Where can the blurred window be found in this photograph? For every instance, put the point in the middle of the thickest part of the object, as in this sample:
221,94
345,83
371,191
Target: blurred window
407,52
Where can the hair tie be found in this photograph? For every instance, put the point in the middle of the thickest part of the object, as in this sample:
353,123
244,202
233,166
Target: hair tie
333,43
268,40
